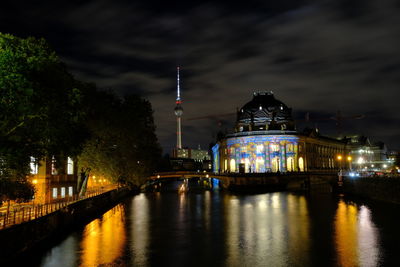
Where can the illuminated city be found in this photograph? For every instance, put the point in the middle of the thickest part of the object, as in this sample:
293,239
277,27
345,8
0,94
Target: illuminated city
199,133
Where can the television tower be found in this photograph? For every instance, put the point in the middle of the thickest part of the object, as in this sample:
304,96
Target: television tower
178,113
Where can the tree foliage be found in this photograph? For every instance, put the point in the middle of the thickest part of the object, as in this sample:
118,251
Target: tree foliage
40,109
45,112
123,146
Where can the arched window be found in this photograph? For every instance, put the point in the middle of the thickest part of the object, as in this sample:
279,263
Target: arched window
232,165
290,164
260,164
247,165
275,164
301,164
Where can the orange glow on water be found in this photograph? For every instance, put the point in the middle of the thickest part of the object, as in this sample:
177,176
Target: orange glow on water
346,234
104,239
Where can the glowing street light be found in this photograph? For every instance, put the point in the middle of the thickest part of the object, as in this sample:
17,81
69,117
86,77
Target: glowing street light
339,158
349,158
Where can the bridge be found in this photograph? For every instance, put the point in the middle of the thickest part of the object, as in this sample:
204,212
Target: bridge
286,180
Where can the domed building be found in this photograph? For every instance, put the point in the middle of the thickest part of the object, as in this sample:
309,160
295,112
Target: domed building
265,139
264,112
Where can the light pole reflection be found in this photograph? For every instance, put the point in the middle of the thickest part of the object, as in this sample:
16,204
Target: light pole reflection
356,237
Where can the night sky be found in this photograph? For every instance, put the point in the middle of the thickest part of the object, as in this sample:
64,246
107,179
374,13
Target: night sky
316,56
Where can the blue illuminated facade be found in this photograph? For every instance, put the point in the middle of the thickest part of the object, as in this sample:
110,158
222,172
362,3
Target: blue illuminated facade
258,153
266,140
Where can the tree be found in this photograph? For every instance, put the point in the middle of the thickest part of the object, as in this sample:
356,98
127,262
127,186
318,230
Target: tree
123,146
40,108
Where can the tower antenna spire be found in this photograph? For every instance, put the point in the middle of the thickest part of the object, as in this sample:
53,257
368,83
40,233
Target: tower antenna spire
178,98
178,113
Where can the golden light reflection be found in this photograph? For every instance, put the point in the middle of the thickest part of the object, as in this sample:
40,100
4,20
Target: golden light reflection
263,230
232,224
207,210
346,234
298,232
99,234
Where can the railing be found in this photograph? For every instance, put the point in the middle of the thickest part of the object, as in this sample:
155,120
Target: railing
19,213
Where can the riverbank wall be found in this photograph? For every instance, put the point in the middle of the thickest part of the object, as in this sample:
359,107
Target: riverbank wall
385,189
323,181
24,237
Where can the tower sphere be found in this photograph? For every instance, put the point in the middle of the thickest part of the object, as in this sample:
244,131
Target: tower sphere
178,110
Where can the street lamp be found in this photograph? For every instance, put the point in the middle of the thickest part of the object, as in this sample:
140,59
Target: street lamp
349,158
339,158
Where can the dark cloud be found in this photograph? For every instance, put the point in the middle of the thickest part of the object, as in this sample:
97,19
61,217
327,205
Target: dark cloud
318,57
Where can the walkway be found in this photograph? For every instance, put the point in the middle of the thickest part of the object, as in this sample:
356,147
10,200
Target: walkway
22,212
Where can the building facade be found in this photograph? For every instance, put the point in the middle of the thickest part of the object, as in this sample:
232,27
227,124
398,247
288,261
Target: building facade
198,155
265,140
53,182
369,156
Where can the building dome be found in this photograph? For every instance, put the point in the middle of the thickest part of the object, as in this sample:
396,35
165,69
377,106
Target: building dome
264,112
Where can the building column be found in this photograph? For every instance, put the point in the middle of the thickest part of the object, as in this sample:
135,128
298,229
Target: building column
282,151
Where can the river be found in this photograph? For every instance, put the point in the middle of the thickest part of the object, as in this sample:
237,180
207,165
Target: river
213,228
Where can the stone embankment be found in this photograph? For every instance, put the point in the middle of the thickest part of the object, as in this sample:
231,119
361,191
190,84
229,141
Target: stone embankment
32,234
378,188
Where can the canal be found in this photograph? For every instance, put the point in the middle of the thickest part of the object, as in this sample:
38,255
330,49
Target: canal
213,228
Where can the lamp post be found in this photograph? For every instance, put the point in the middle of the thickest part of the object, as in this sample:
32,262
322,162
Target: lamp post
340,177
339,158
349,158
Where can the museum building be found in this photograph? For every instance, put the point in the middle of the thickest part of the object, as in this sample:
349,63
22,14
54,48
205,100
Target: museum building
265,139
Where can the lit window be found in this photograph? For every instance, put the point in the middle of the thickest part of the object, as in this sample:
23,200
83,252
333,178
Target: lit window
290,164
232,166
260,148
301,164
54,192
53,166
70,166
70,191
62,191
34,166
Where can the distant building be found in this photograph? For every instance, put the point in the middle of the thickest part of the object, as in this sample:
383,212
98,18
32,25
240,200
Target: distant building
190,153
53,184
266,140
368,156
190,159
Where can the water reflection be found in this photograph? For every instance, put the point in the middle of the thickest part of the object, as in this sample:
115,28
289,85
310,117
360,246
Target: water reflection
219,229
356,236
104,239
267,230
139,225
